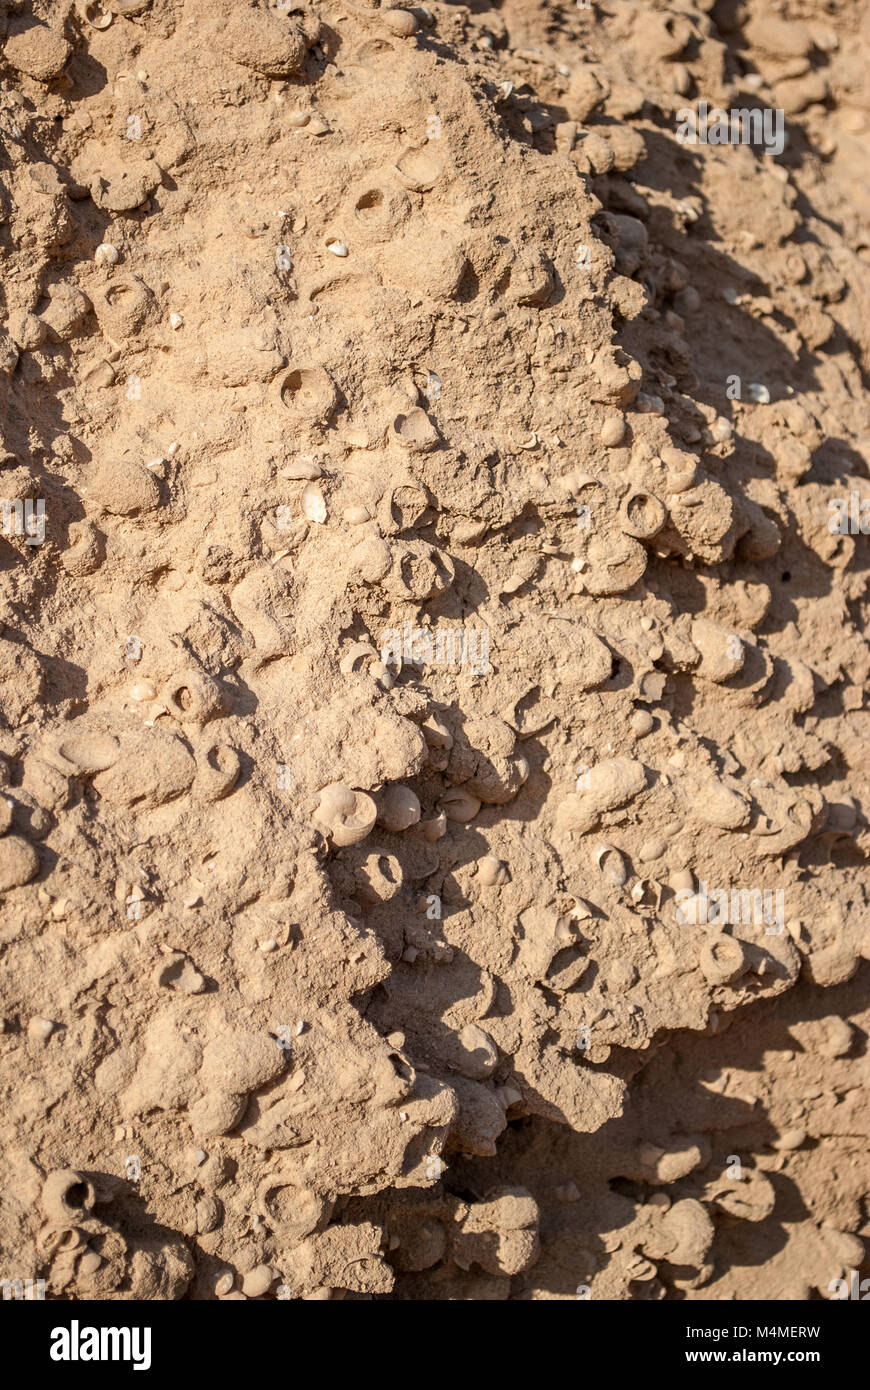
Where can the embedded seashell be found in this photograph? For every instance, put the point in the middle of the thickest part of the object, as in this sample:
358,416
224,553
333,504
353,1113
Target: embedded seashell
612,431
217,770
309,394
355,654
415,431
439,740
643,515
67,309
477,1053
491,872
192,696
35,49
348,815
615,564
608,785
303,468
123,488
682,469
258,1281
100,375
124,187
651,686
378,211
106,254
647,892
262,602
551,951
618,376
419,570
720,806
752,1197
86,549
417,169
641,723
371,560
682,880
40,1029
94,15
723,959
143,690
722,653
402,507
356,516
612,865
313,505
68,1197
433,830
123,306
398,808
59,1237
459,805
19,862
292,1211
485,761
338,248
270,41
89,752
401,22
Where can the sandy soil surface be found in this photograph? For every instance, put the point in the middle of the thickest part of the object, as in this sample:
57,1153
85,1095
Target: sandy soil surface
433,573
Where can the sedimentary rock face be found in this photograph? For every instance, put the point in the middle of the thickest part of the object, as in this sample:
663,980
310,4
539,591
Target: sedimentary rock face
431,692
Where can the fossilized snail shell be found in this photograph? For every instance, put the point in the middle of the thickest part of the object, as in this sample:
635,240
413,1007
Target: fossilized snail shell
398,808
191,696
415,431
722,653
609,784
309,394
217,770
459,805
642,514
614,565
723,959
611,862
348,815
363,652
67,1196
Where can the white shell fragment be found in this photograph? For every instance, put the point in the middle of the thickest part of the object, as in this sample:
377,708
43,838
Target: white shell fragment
313,504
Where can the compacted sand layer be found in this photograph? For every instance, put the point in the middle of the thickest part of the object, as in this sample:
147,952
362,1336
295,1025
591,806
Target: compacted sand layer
433,565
